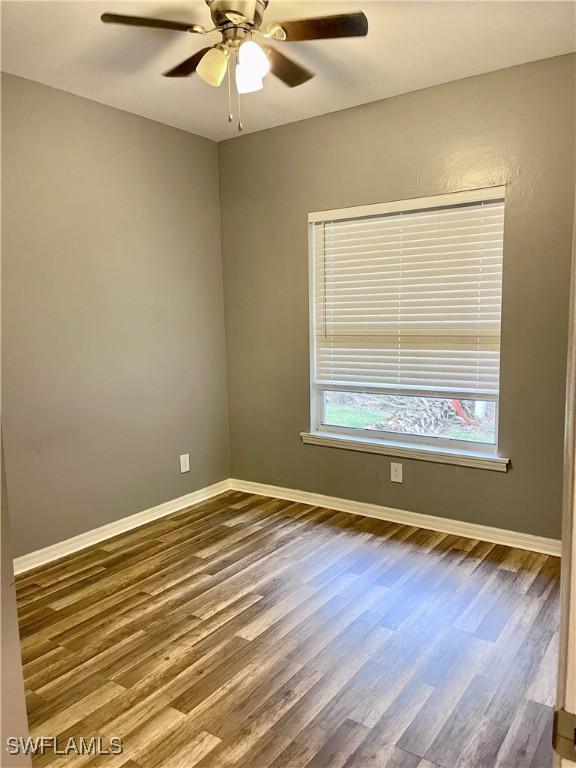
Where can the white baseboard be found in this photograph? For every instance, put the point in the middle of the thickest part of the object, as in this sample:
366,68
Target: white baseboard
429,522
442,524
83,540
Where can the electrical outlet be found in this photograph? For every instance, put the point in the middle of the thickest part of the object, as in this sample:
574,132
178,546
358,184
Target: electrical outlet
395,472
185,462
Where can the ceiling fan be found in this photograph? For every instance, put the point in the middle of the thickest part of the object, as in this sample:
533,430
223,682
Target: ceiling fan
238,21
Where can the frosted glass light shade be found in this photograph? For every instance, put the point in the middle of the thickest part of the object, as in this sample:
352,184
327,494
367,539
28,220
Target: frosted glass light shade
253,58
246,81
213,65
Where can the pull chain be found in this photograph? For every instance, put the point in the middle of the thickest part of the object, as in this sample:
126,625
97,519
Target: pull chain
230,113
238,99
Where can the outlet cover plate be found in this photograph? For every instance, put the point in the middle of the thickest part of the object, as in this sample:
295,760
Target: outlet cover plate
395,472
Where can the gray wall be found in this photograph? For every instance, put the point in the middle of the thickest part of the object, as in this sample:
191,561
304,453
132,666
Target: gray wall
114,346
513,127
113,331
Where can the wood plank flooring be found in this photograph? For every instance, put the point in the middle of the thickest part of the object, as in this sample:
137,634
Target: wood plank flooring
258,633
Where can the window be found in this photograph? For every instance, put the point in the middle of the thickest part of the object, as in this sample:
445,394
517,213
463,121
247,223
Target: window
405,321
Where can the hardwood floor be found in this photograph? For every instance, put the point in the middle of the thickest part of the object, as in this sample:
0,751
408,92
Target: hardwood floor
259,633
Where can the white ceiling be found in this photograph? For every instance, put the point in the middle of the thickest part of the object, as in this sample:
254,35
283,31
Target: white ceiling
410,45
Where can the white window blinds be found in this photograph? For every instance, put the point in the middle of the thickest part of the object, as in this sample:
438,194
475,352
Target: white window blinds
410,299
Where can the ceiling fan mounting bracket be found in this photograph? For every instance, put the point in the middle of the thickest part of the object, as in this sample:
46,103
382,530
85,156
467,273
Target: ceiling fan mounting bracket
197,29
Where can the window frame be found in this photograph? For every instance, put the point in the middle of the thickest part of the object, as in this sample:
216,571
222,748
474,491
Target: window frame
385,442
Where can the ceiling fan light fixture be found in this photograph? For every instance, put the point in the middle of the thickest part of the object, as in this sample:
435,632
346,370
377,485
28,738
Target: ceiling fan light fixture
213,65
247,81
253,59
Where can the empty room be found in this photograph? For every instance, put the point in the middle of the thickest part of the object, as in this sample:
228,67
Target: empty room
288,384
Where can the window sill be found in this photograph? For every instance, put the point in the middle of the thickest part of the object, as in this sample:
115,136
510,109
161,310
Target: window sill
461,458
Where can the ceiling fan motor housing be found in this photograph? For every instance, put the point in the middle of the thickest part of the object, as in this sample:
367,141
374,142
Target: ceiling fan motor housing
237,12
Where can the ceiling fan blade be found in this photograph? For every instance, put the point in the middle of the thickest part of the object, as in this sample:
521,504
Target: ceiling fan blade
286,69
323,27
144,21
187,67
